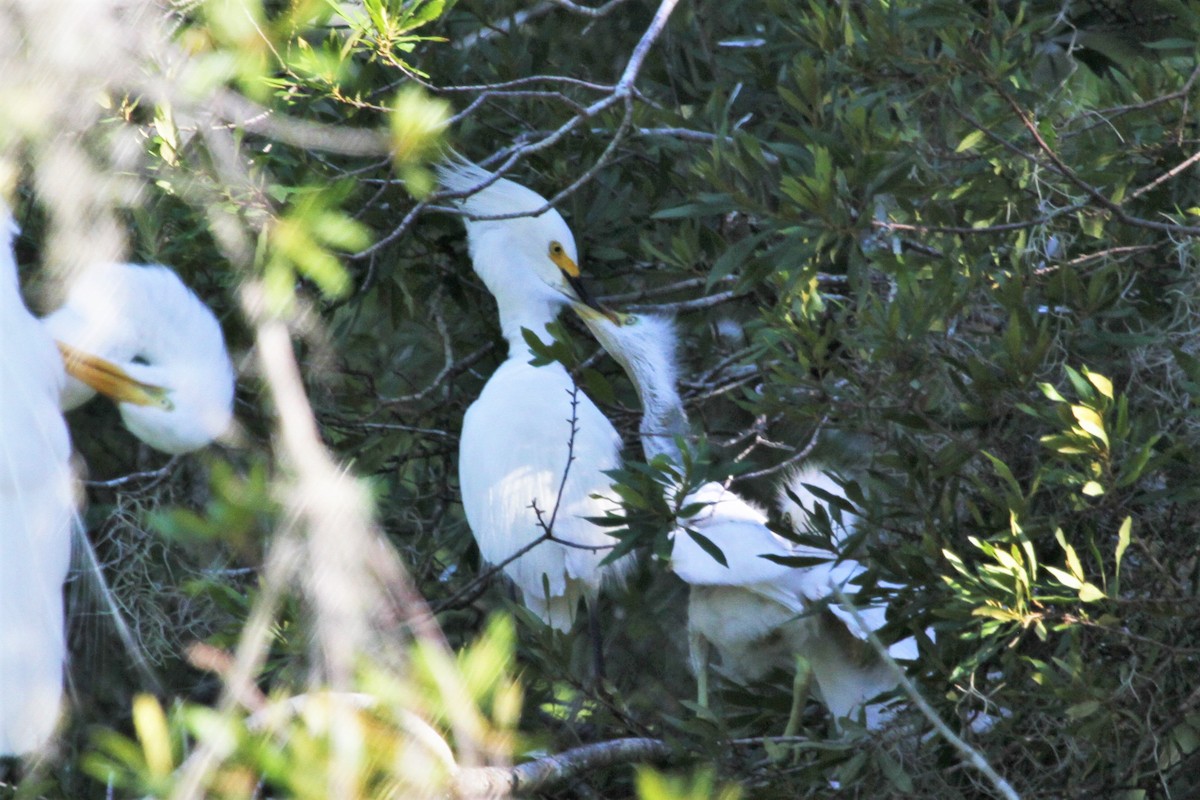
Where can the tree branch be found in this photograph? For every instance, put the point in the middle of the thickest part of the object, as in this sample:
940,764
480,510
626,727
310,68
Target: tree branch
550,771
968,753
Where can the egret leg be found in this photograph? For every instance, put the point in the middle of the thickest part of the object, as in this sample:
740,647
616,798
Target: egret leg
800,687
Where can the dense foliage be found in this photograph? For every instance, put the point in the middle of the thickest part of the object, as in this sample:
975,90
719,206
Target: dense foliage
951,246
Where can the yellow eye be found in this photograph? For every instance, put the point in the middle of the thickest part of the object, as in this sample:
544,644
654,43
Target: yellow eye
556,249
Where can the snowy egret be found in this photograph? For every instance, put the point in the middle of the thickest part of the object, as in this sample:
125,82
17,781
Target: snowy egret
163,359
36,507
757,613
139,335
534,448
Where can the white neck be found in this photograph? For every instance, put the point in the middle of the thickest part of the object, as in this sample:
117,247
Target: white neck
663,415
531,314
524,299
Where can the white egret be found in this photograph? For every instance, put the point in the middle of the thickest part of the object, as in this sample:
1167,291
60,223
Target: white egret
139,335
36,507
174,383
757,613
533,442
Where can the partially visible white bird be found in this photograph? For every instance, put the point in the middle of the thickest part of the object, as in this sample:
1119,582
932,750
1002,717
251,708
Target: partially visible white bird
139,335
163,359
36,507
757,613
533,438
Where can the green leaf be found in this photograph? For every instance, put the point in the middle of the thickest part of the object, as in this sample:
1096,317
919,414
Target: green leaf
970,140
1090,593
707,546
153,734
1072,559
895,773
1123,537
1103,385
796,561
1051,393
1090,421
1065,578
733,258
1082,710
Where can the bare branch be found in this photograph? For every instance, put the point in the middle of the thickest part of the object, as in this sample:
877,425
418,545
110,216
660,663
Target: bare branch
622,93
248,115
1166,176
968,753
550,771
659,291
594,13
794,458
153,477
690,305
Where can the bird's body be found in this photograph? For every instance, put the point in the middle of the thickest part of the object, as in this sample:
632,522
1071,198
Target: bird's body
517,460
36,508
532,439
757,614
148,323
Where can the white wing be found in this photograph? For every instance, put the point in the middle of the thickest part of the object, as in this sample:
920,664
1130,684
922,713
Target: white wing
513,453
739,529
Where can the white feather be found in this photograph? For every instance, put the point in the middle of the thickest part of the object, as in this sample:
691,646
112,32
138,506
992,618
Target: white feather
146,321
516,437
757,613
36,508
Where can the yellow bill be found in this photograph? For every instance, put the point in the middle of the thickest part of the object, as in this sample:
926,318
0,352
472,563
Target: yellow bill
110,380
570,270
596,313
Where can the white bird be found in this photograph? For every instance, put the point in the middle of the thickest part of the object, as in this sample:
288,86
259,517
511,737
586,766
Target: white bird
532,438
757,613
36,507
174,382
139,335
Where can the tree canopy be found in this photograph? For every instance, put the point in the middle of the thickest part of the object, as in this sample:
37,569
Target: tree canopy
947,249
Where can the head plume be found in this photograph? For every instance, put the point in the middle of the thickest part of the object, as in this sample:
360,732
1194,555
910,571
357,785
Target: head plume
489,196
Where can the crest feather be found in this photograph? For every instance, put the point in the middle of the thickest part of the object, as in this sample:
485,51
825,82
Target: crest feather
501,197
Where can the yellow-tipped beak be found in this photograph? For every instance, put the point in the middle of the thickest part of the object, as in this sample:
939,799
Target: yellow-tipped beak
596,313
565,263
110,380
570,270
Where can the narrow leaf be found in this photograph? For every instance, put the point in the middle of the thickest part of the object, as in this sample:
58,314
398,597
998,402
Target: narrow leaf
1123,536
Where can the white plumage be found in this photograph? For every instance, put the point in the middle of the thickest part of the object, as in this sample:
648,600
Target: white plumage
36,508
148,323
758,614
162,356
517,436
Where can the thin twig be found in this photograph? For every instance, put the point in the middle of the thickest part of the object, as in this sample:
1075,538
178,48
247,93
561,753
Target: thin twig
622,93
594,13
304,134
695,304
154,475
968,753
1166,176
549,771
794,458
